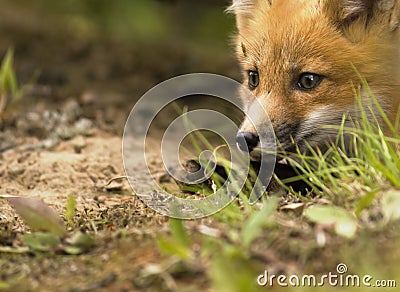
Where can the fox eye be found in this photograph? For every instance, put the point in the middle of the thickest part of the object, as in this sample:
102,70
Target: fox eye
254,79
309,81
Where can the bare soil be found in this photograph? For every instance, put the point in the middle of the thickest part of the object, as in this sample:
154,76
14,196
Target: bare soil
64,137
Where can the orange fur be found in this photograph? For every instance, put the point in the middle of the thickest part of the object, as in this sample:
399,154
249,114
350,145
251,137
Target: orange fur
281,39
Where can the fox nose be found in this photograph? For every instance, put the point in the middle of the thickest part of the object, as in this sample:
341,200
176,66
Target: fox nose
247,141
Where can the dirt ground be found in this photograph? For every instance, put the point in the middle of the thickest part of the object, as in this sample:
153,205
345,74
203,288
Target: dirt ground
64,137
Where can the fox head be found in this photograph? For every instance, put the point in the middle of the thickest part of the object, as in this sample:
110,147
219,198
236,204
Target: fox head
303,59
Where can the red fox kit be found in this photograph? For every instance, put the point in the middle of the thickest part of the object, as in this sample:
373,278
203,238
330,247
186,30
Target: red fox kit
301,60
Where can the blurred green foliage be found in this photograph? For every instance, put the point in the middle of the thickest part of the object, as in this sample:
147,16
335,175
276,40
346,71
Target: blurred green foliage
204,21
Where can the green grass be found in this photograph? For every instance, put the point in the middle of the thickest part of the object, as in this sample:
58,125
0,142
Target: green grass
8,82
351,216
371,166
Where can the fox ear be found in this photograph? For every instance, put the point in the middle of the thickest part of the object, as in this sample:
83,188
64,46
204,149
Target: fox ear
346,12
243,9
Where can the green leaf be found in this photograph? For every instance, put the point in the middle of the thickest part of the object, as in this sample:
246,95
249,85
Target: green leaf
41,241
178,231
8,81
73,250
253,226
81,240
71,208
391,205
38,216
365,202
343,222
171,247
9,249
231,271
4,286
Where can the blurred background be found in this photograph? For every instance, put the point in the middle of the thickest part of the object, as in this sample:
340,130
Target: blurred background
121,47
106,54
